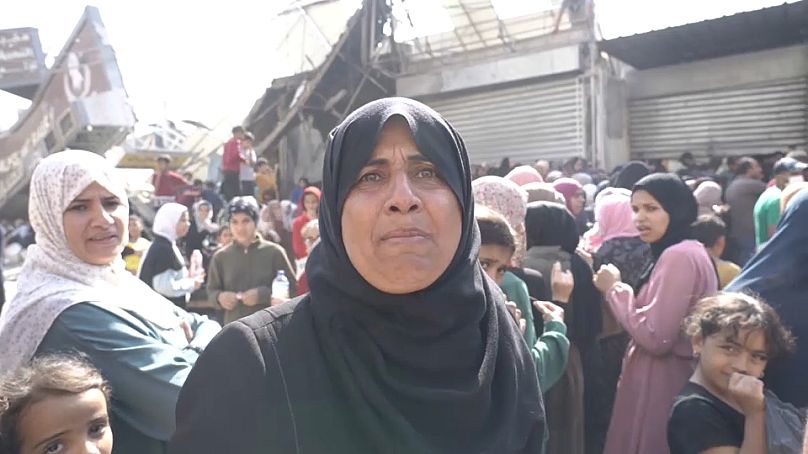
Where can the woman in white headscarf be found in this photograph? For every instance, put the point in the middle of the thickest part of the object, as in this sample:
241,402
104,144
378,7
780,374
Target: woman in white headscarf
74,294
163,266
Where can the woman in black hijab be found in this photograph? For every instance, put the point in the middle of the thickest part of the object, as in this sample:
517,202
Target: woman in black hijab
401,346
630,174
551,236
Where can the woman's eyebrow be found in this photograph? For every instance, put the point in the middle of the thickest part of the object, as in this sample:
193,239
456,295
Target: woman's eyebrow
384,161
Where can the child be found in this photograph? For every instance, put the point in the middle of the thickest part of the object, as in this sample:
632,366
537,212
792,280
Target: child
733,336
711,231
56,404
496,250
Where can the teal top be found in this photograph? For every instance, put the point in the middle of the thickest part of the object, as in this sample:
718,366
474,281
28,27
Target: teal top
145,367
551,349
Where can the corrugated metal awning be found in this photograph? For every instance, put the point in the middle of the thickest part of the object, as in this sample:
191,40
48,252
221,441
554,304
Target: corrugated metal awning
768,28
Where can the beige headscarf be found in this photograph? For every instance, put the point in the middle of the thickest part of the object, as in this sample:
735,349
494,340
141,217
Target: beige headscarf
53,278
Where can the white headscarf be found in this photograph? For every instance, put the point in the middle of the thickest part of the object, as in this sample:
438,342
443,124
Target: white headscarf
53,278
206,224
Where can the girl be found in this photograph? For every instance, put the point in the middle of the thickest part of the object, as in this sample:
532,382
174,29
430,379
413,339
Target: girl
309,209
202,228
658,360
575,199
721,409
56,404
163,267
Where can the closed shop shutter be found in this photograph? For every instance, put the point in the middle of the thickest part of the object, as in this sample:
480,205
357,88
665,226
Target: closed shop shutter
754,119
531,121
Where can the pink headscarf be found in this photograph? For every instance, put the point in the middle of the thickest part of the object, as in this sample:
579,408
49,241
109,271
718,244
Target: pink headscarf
613,216
708,194
508,199
523,175
568,188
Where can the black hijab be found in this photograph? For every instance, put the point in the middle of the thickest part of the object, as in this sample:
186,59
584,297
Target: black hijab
630,174
678,201
551,224
440,370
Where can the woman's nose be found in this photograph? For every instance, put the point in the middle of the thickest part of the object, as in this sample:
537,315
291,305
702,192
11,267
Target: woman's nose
402,197
101,216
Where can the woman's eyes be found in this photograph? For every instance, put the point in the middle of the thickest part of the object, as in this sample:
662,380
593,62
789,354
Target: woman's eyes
56,446
426,173
370,177
729,348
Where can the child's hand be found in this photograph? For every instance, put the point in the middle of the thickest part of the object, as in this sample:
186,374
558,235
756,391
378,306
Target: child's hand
517,316
562,283
747,391
549,311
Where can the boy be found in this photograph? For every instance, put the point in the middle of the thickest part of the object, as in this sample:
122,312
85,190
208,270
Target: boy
496,250
711,231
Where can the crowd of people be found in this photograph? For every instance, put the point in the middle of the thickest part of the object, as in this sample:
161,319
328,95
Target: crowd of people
412,302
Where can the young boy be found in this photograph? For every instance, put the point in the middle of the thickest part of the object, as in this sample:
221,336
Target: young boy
721,409
711,231
549,350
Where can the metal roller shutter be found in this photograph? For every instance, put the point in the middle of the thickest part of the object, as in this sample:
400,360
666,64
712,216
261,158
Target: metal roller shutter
744,120
525,123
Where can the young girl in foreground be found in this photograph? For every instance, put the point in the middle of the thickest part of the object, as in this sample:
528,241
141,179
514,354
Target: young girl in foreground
57,404
721,409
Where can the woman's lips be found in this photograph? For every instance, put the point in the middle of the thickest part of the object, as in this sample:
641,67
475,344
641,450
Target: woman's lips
405,235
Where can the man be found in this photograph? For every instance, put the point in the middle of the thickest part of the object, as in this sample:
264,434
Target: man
231,164
240,275
136,246
247,169
767,208
689,167
166,183
741,196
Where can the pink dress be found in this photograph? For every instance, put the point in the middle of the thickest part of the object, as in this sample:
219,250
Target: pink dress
659,360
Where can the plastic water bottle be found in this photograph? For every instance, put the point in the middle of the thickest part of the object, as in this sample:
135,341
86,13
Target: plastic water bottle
196,267
280,286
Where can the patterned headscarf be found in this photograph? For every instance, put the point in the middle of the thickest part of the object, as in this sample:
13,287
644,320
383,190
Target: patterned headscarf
53,278
507,199
614,219
523,175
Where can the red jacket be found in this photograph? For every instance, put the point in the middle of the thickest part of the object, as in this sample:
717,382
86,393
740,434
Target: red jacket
168,184
231,158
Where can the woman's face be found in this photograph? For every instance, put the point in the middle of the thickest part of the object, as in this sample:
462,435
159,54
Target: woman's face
94,225
183,225
401,223
204,211
577,202
275,211
311,204
71,423
649,217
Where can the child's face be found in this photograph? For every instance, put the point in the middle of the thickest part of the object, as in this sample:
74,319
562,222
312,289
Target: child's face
721,354
68,424
495,260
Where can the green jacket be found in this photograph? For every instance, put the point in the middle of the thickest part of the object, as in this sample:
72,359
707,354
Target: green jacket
551,348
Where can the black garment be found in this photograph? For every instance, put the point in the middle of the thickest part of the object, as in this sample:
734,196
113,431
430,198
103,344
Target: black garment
551,224
350,369
231,185
534,280
629,254
700,421
630,174
196,239
160,257
680,204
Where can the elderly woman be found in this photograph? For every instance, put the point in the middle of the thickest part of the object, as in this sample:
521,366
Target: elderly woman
76,295
402,345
